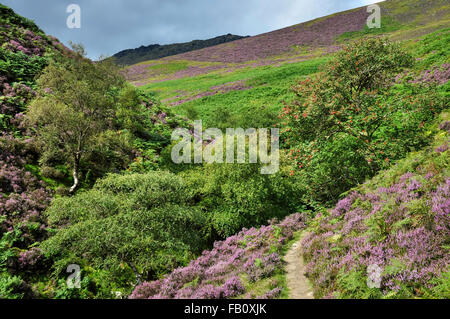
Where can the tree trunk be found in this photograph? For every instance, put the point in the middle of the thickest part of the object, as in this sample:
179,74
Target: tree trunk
75,175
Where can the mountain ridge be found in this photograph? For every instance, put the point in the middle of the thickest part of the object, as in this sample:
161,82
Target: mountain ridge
157,51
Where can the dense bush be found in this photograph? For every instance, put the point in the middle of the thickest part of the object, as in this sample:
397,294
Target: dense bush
153,222
350,121
237,195
138,221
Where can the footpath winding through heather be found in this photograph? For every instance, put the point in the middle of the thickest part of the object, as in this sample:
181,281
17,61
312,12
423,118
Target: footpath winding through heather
298,284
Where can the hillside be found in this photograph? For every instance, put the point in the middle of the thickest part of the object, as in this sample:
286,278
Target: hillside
30,180
156,51
88,175
203,80
25,51
326,31
398,222
403,19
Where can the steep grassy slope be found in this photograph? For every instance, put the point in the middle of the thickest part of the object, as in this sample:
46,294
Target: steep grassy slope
248,77
398,222
402,19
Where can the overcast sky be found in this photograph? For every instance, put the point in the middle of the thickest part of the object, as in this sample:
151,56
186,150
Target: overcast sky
109,26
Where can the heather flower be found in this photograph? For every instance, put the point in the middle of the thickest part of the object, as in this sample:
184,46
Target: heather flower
442,148
372,234
146,290
342,206
272,294
216,273
232,287
29,259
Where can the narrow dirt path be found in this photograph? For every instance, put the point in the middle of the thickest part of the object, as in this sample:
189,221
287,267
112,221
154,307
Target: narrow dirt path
298,284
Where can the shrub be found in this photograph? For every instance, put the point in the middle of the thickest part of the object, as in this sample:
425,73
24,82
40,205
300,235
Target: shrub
10,287
350,121
238,195
138,222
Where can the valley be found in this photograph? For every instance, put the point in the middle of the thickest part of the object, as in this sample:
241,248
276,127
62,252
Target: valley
87,175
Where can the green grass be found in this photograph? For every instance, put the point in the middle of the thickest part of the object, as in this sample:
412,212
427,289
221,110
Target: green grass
433,49
254,75
168,68
268,86
51,183
160,70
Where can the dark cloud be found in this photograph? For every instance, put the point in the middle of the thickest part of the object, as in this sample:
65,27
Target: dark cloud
108,26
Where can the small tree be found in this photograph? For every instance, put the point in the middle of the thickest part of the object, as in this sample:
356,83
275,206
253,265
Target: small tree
139,224
349,121
76,109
